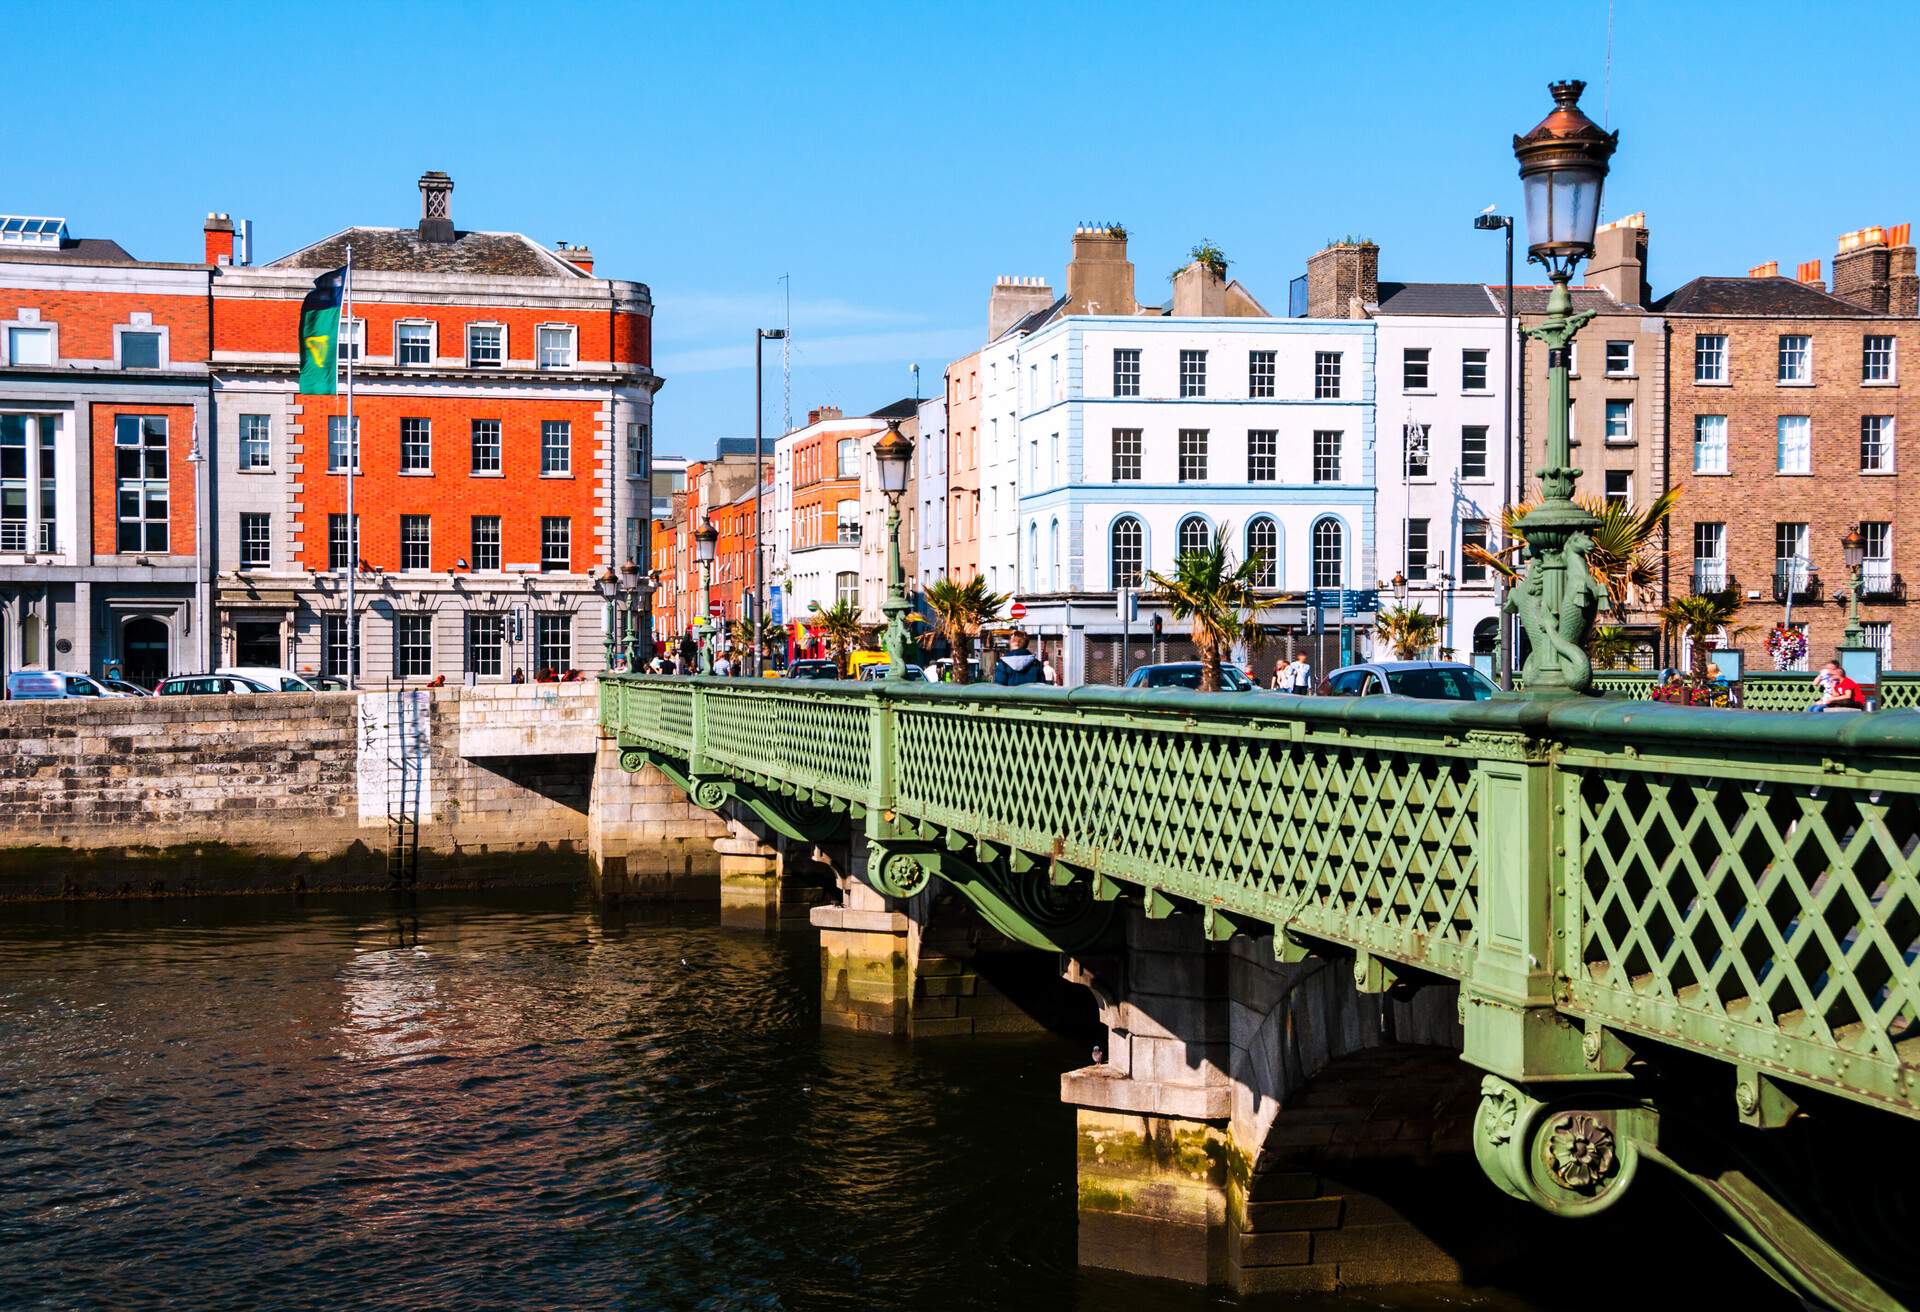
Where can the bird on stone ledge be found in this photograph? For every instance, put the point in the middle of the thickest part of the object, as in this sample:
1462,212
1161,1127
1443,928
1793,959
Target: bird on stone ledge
1099,1055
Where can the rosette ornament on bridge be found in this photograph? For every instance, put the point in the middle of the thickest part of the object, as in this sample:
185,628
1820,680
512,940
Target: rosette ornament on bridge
1573,1160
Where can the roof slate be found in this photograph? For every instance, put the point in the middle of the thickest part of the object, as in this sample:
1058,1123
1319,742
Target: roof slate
1782,297
401,250
1436,298
81,250
1533,300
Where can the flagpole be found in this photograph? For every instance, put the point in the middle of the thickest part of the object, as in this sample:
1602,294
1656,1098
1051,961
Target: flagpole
353,465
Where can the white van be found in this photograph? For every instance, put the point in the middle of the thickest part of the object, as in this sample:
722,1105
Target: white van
55,685
273,678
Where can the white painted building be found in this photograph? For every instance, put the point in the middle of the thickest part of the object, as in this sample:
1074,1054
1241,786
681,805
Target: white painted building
930,487
1000,403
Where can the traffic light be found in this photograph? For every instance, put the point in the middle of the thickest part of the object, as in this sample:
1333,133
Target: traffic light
1156,628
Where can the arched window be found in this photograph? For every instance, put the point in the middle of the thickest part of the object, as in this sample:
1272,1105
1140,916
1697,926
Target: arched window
1194,535
1486,637
1033,557
1053,554
1263,545
1329,550
1128,552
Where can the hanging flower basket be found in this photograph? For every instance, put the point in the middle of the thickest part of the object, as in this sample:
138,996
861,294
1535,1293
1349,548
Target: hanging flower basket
1787,647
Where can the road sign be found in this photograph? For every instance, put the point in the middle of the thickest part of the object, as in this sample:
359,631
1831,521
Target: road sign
716,611
1017,611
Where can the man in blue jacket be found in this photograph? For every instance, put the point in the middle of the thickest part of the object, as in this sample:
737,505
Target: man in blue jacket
1017,665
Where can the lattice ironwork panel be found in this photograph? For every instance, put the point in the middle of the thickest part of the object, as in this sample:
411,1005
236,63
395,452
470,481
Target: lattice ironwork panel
808,741
1774,920
1374,846
1776,692
655,711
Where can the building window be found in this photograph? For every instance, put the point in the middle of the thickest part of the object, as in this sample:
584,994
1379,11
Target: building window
1876,564
1619,421
1033,557
1473,533
1796,359
486,638
1263,455
1193,373
412,645
352,343
1033,461
142,350
846,456
337,456
140,468
1709,557
1473,451
637,451
416,445
1329,554
1260,373
1417,549
1127,552
1326,375
339,647
1053,553
1413,369
27,346
256,442
1126,371
256,540
343,550
846,516
1417,450
1709,444
556,446
556,544
846,588
486,346
553,642
1710,358
556,348
413,343
1876,358
486,542
1619,359
486,446
1326,455
1473,369
416,542
1795,444
1792,566
1263,548
1194,537
1876,444
1193,455
1619,486
1126,455
1879,636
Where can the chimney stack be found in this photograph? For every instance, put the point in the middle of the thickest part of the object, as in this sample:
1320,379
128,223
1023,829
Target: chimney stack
575,255
1862,272
1342,279
1771,269
219,235
1099,278
436,209
1198,293
1809,275
1619,261
815,415
1013,299
1903,287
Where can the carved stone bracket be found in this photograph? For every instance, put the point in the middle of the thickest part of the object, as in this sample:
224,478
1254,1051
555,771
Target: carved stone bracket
1571,1156
1028,906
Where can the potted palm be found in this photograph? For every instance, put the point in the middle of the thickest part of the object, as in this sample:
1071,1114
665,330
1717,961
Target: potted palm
1217,599
960,611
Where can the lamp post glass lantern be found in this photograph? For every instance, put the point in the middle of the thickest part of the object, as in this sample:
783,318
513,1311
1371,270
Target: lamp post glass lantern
893,453
704,539
1563,168
1853,546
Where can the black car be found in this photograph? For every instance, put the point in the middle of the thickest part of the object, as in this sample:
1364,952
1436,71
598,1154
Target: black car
813,670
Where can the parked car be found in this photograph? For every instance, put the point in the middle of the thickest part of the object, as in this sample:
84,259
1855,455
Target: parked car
1443,681
859,660
875,673
326,682
272,676
126,687
56,685
1186,674
813,669
200,685
941,671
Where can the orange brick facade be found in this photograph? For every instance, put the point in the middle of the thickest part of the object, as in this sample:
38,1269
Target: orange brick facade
182,510
86,320
270,326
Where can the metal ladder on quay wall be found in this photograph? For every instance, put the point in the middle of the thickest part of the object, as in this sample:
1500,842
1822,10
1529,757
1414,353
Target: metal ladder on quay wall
405,776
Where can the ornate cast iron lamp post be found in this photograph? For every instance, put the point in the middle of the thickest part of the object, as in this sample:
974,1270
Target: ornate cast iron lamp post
704,538
1563,166
894,454
1854,546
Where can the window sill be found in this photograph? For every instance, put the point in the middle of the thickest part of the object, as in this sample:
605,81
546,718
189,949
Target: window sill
1713,473
1793,382
1476,391
1878,473
561,477
415,473
1621,442
1793,473
486,473
1418,391
255,470
1713,382
1625,378
341,473
1879,382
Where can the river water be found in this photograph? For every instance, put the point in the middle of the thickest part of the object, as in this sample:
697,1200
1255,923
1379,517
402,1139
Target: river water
509,1101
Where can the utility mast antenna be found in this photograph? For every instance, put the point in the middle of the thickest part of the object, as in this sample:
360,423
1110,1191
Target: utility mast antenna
786,360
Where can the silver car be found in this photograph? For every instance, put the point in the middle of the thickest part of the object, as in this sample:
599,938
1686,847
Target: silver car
1442,681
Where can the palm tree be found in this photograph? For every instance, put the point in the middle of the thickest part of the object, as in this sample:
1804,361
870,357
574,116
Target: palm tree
1697,619
1217,598
1625,559
1611,647
1408,630
843,629
960,611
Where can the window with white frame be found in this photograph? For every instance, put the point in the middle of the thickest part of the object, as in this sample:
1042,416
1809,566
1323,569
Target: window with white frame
1329,554
141,350
256,540
486,345
256,442
1193,455
1619,487
1796,358
636,450
556,544
1473,533
1033,461
1876,358
1795,443
412,645
1417,549
1876,444
1619,359
1263,455
486,542
416,446
343,546
846,518
1417,450
1326,375
846,588
1709,444
1126,455
1126,371
1263,548
1053,378
339,459
1710,358
1193,536
1619,421
416,542
486,641
140,473
846,456
1473,369
485,435
413,343
1473,451
556,348
1876,556
1791,544
1033,556
339,646
1127,552
1414,365
1260,370
553,641
30,346
1053,554
1879,636
1193,373
556,446
1709,556
1326,455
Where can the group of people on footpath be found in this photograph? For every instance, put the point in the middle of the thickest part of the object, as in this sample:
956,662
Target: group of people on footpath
1294,676
1834,691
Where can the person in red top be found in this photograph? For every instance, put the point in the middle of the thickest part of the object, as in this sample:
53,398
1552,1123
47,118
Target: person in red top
1842,693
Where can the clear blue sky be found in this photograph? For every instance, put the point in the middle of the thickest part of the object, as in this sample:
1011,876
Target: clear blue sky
895,157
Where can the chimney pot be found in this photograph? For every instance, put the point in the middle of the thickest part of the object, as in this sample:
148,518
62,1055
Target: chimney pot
219,239
1771,269
436,209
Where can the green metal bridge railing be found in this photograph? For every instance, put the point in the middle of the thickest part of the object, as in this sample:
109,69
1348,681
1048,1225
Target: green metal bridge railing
1767,690
1609,881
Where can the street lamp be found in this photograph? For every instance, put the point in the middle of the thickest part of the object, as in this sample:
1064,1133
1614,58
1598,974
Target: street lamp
1400,587
1854,547
757,608
1563,166
1504,644
608,586
704,538
894,455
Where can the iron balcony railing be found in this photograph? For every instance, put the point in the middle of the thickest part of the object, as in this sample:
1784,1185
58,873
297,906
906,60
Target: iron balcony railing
1878,582
1710,576
1795,581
